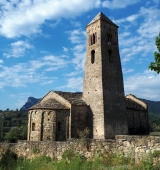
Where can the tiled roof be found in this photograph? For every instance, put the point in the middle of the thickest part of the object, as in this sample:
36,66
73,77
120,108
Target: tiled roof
72,98
49,104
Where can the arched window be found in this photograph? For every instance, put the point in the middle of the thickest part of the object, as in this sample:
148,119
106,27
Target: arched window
93,38
92,56
110,56
33,126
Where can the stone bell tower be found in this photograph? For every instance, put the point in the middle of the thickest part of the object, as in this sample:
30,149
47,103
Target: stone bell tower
103,87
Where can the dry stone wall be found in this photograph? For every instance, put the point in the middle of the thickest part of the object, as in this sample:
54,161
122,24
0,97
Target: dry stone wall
135,146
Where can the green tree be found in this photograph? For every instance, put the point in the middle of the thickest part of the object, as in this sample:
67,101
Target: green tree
155,66
16,133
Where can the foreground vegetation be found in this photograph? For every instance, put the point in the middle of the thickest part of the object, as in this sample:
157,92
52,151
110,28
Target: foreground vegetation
72,161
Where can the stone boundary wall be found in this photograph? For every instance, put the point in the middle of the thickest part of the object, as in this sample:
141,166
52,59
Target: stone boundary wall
135,146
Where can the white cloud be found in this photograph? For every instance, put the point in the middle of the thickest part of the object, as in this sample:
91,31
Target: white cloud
75,23
65,49
142,40
143,85
21,74
73,73
156,1
76,36
25,17
127,70
18,49
150,26
1,62
48,82
74,83
113,4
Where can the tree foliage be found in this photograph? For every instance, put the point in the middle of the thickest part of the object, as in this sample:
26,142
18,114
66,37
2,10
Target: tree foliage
155,66
15,134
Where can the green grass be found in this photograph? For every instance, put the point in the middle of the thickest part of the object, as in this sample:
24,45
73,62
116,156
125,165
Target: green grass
72,161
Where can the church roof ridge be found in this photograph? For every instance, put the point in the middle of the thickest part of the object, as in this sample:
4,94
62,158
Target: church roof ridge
101,16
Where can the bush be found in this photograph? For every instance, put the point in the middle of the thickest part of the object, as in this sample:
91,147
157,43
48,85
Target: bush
68,154
15,134
8,160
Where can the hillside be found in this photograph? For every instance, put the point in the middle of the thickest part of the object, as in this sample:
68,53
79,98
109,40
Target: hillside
153,106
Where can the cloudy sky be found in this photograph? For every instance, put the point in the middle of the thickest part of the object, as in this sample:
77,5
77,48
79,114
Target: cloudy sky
42,46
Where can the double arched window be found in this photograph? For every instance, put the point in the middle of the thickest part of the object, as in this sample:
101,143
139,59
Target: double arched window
93,38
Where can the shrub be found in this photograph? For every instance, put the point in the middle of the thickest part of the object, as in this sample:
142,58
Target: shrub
8,160
84,136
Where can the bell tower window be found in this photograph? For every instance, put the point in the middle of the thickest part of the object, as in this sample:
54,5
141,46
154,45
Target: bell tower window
92,56
93,39
109,38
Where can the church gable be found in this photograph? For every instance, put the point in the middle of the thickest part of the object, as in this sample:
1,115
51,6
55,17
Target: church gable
60,100
135,103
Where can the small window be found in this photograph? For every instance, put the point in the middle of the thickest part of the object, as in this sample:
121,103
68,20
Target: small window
94,39
91,40
109,38
33,126
110,56
92,56
59,126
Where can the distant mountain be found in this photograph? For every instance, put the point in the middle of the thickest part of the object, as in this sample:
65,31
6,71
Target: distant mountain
153,106
31,101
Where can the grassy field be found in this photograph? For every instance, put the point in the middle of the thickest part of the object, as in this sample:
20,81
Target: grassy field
71,161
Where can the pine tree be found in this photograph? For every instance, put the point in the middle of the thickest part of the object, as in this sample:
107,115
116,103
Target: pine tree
155,66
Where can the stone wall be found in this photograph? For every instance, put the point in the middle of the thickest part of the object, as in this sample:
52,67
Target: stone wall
78,119
135,146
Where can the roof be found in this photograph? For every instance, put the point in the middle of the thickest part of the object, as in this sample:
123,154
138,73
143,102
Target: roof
74,98
48,104
101,16
52,103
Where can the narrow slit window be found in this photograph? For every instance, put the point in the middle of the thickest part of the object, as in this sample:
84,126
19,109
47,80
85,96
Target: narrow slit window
109,36
33,126
93,38
110,56
92,56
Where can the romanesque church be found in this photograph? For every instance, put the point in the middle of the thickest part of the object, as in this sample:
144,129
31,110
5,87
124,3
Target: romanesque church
102,107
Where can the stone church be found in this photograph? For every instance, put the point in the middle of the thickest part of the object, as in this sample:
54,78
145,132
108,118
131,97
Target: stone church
102,107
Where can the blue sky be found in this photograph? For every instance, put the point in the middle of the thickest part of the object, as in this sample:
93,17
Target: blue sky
42,46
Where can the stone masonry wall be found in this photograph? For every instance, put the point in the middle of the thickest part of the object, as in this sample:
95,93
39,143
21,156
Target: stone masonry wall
135,146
